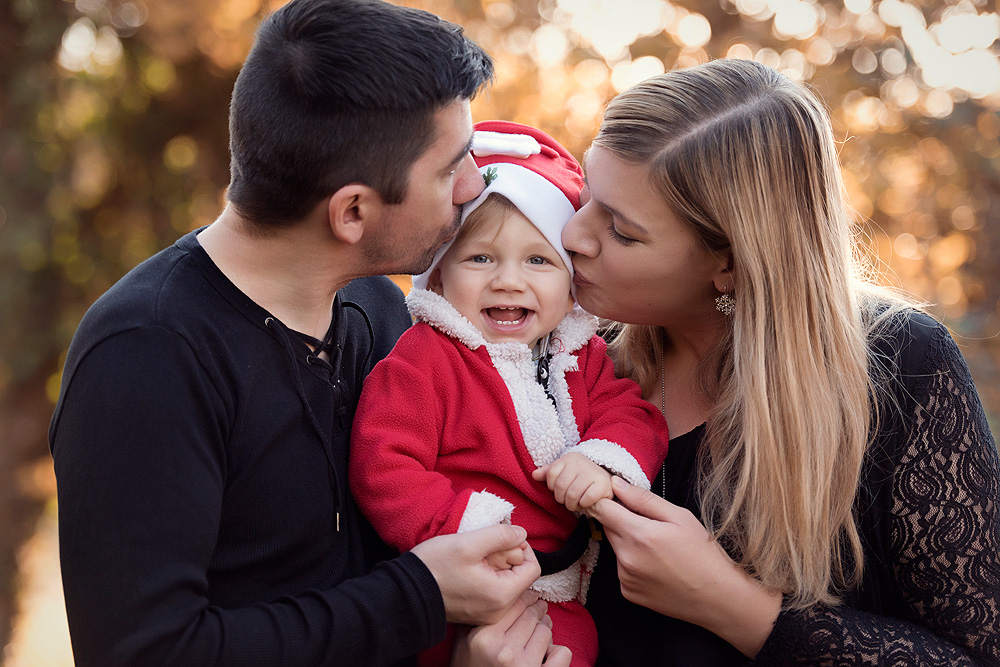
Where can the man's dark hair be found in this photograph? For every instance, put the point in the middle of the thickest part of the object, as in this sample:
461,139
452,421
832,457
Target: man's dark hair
341,91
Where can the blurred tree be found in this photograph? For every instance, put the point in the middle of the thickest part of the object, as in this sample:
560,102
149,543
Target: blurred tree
29,37
113,143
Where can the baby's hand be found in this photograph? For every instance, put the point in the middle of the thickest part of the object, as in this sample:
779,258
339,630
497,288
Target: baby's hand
507,560
575,481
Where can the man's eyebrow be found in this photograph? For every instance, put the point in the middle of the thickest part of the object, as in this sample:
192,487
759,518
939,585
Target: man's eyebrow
461,156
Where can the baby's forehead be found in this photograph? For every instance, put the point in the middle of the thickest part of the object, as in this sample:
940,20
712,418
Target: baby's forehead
511,231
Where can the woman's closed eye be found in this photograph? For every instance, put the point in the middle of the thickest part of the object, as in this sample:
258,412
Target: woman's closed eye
618,237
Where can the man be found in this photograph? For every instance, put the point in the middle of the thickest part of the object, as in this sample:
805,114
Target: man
202,434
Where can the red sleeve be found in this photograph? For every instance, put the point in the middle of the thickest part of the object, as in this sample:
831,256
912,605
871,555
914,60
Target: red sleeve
614,410
394,446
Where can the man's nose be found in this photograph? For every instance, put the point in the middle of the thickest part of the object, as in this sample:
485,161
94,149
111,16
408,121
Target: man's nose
469,182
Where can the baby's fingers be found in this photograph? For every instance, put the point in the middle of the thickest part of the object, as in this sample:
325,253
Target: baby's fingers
498,560
595,493
577,491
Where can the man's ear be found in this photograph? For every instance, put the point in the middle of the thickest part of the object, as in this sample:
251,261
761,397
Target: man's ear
724,279
351,209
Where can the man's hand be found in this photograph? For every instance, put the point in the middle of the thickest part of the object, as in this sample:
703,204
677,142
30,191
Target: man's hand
575,481
521,638
476,592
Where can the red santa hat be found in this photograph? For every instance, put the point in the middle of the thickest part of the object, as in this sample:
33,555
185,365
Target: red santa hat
531,169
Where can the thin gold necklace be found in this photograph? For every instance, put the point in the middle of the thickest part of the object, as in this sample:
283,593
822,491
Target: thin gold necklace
663,410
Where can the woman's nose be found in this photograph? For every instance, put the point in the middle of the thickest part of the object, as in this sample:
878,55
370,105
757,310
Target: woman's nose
577,237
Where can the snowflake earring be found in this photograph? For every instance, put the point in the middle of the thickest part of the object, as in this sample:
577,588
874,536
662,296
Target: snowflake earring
725,304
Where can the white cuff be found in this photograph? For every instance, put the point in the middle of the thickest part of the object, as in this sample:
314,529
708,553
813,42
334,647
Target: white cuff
484,509
573,582
615,459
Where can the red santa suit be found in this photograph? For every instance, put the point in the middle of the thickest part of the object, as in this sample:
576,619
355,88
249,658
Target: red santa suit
450,427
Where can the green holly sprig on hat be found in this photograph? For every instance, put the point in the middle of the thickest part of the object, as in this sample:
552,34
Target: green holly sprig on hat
490,175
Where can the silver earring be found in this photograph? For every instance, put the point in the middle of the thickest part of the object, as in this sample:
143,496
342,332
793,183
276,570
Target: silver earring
725,304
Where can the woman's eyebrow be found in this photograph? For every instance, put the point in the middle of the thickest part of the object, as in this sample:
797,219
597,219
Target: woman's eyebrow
624,218
615,212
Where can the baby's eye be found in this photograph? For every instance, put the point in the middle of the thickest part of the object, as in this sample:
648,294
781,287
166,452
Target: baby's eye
537,261
479,259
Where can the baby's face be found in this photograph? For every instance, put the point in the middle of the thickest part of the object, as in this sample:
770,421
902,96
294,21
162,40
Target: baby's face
507,280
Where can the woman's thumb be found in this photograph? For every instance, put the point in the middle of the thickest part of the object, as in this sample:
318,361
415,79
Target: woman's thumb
642,502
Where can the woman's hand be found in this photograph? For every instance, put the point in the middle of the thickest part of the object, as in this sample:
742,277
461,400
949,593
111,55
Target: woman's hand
522,638
668,562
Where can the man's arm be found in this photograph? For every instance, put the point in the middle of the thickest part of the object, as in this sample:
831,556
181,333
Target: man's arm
141,465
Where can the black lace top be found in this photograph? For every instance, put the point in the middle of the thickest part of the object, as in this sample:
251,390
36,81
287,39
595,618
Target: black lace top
929,514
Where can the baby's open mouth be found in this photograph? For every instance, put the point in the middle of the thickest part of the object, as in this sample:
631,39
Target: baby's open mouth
506,315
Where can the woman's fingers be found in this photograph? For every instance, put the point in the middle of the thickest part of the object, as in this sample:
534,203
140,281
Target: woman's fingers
615,518
645,503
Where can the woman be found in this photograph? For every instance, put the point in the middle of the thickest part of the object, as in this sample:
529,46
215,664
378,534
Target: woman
832,483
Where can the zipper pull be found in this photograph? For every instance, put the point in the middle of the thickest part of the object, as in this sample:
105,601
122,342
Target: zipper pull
338,522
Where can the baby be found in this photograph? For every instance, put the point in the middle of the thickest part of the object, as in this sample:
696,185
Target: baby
502,376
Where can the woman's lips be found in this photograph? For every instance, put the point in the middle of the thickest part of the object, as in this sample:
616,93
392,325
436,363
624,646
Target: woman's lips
579,280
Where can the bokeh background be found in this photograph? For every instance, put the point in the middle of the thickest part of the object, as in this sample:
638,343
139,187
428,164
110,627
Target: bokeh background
113,143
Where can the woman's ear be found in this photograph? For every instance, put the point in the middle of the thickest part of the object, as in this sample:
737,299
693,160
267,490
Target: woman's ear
351,209
724,279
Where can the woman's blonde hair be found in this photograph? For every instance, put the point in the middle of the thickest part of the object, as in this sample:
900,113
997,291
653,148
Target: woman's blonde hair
747,158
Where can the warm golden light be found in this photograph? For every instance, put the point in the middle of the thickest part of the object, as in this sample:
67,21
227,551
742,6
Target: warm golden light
694,31
101,167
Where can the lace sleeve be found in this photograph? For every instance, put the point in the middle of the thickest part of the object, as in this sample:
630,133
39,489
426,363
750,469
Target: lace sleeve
945,541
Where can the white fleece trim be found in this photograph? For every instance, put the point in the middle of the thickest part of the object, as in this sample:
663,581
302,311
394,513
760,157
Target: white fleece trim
435,310
560,364
573,582
571,334
575,330
587,564
543,437
484,509
547,433
616,459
